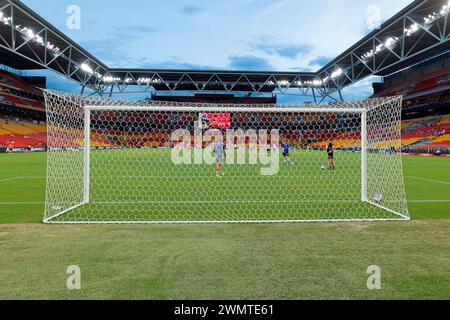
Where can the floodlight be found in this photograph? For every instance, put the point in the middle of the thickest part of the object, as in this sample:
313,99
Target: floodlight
390,42
413,29
30,33
110,79
338,72
86,68
39,39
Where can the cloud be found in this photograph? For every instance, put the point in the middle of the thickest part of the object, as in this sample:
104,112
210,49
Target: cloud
173,62
114,47
289,51
191,10
236,62
360,90
320,61
112,50
302,69
269,45
268,7
249,62
136,29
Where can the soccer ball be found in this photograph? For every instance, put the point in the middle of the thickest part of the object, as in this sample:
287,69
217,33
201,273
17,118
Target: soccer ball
378,198
323,168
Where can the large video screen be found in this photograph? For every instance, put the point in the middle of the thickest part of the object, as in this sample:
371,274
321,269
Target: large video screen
216,120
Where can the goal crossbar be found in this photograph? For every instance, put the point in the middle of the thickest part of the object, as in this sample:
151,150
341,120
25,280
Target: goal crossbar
226,109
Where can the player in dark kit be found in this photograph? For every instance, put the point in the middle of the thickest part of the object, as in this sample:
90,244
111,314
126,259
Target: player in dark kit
330,152
286,150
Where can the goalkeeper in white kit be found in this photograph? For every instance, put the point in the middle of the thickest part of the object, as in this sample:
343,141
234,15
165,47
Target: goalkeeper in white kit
219,151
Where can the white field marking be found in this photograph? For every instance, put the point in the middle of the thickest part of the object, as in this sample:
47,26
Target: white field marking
10,179
20,203
199,202
50,221
225,202
196,202
33,177
429,201
186,202
212,177
19,178
429,180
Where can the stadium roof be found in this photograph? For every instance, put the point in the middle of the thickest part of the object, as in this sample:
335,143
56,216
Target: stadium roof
421,30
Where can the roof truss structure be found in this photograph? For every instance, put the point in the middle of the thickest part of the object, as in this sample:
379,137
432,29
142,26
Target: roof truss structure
421,30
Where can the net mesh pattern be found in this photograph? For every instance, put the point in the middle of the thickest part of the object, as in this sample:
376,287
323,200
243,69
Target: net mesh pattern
112,161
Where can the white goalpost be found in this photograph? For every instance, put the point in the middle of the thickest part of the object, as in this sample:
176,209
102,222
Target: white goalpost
113,161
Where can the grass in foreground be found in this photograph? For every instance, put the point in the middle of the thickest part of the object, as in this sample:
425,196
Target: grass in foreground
22,187
286,261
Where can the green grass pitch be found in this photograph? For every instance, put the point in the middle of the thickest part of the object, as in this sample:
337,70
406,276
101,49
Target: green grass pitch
145,185
281,261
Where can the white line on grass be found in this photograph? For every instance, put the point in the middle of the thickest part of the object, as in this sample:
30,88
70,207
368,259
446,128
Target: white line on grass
429,180
20,203
10,179
21,178
220,202
199,202
429,201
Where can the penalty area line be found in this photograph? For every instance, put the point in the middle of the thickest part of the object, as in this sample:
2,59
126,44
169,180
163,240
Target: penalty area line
21,203
199,202
21,178
10,179
429,201
429,180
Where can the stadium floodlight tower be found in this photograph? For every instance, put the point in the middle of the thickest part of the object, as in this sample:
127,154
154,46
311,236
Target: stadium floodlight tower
112,161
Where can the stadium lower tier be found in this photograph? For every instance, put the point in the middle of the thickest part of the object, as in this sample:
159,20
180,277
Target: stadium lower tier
22,134
430,132
426,132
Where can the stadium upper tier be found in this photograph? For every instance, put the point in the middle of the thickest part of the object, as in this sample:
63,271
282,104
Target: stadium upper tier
18,93
427,78
438,82
420,30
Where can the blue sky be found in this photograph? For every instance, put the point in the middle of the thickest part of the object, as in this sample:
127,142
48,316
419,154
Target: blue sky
282,35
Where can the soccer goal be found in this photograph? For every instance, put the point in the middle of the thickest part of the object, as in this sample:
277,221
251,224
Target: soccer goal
112,161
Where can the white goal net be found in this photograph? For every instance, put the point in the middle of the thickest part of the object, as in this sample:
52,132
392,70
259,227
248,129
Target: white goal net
112,161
